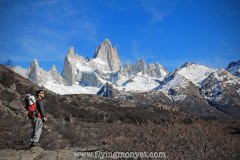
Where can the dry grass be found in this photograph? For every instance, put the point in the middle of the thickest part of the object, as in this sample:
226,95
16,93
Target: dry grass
199,140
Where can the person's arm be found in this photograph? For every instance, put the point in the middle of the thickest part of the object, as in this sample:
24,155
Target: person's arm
40,108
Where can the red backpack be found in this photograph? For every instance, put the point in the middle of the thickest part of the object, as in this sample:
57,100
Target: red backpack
31,106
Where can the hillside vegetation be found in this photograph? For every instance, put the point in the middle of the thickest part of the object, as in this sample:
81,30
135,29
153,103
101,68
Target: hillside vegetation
133,122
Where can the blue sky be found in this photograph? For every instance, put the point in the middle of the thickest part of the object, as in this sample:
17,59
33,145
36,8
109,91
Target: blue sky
170,32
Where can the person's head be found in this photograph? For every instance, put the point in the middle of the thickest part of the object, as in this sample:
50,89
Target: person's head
40,94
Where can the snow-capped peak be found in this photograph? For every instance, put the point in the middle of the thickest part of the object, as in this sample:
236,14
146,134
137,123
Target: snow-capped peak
186,64
194,72
173,81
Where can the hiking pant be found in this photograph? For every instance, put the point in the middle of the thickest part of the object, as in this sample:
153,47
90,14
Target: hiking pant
37,125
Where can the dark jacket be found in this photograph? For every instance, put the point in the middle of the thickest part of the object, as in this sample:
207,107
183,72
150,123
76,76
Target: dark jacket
40,109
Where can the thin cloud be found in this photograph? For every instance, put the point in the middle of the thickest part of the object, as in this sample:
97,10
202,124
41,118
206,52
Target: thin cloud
75,23
41,49
158,10
48,15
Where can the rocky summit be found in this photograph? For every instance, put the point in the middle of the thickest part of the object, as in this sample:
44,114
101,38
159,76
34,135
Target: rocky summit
109,55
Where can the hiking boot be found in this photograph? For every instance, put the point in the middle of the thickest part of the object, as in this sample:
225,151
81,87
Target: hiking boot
33,144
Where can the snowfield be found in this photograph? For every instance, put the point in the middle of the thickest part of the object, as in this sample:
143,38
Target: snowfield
74,89
195,73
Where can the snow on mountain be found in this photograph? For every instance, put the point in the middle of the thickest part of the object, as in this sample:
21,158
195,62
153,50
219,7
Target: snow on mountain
221,89
177,83
73,89
234,68
214,84
99,64
20,70
194,72
173,85
186,95
138,83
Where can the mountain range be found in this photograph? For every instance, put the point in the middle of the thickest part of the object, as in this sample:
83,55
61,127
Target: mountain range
84,75
200,88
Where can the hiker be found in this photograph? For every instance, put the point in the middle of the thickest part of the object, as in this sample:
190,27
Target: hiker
37,116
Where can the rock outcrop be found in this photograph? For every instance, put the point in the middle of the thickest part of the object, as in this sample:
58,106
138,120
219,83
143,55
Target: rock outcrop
94,72
152,70
77,70
234,68
73,66
109,55
37,74
157,70
106,91
55,75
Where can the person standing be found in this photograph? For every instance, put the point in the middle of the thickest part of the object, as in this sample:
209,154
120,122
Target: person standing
37,122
